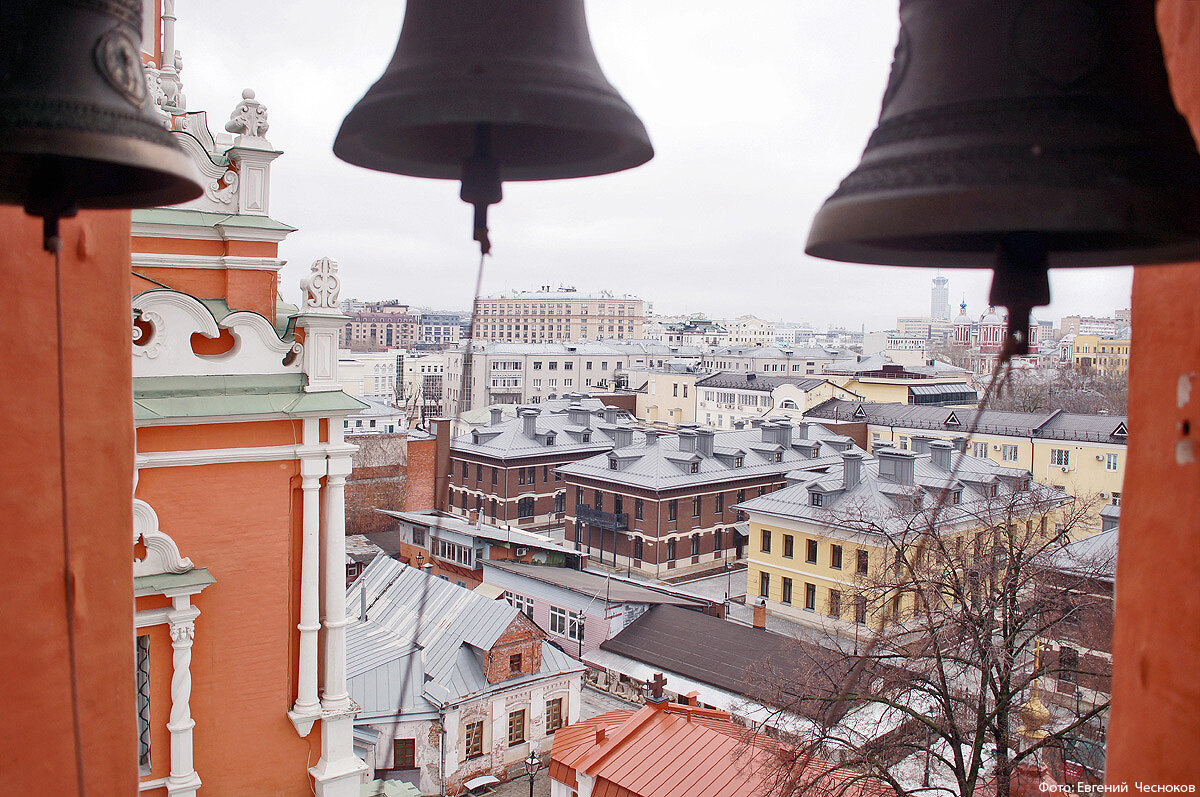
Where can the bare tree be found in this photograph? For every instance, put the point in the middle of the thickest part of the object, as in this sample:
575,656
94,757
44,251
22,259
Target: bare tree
938,694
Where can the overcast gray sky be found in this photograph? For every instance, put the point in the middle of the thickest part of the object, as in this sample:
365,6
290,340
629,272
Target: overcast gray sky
756,111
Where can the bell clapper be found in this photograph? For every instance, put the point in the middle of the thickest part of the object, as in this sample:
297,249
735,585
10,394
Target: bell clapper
481,183
1020,282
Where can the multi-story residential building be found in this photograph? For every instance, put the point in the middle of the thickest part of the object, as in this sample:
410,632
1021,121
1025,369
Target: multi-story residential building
530,373
1106,356
692,331
1092,325
748,330
730,399
664,503
375,418
389,326
818,546
371,374
439,329
878,378
451,685
506,470
424,386
1082,454
549,315
770,359
666,395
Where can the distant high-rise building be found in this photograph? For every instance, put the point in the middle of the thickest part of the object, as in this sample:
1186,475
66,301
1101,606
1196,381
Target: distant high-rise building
939,306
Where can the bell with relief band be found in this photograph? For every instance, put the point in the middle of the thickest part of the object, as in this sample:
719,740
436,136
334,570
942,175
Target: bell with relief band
77,125
490,90
1021,135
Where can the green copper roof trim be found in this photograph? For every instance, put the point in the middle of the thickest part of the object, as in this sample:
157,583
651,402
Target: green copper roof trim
201,218
197,578
161,397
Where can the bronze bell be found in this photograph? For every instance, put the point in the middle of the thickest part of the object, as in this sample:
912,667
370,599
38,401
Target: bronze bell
490,91
77,125
1020,135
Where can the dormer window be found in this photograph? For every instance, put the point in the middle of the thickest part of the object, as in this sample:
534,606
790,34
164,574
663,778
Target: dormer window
816,499
587,437
694,467
956,497
475,437
514,664
612,463
737,462
550,438
779,456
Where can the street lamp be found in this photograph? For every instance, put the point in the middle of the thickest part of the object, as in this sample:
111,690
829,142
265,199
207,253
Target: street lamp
532,764
420,559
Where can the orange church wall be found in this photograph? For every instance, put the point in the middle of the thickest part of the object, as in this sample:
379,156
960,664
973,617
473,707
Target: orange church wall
242,289
39,751
1155,728
218,435
242,521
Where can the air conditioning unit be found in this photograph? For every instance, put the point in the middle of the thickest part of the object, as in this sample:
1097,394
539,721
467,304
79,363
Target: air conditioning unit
522,551
1103,495
995,448
1099,457
1065,469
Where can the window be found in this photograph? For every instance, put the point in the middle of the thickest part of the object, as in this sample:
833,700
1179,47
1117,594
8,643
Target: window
516,727
696,506
695,545
1068,662
862,559
523,604
694,467
575,626
835,604
785,595
464,471
418,536
1116,501
554,714
764,585
810,597
816,499
979,450
1060,457
558,621
478,473
612,463
685,391
474,739
142,663
860,610
618,503
525,508
670,550
639,509
560,503
672,512
766,541
1110,461
835,557
637,547
1008,453
598,500
495,476
810,553
514,664
676,393
718,540
762,490
719,503
737,463
404,752
545,473
788,546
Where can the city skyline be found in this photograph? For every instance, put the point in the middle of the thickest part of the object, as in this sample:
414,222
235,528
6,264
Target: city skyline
747,143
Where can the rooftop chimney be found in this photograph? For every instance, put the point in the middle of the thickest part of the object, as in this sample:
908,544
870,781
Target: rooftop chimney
802,430
600,735
768,431
622,437
578,416
529,422
783,433
612,414
920,445
851,469
896,466
704,441
497,415
652,437
687,440
739,424
939,454
760,613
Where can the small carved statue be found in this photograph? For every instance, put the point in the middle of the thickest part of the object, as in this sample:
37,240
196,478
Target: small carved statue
249,118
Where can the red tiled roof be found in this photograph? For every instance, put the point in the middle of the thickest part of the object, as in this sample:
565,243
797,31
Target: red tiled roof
666,750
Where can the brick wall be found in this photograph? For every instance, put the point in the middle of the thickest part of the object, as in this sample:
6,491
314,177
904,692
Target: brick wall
521,636
379,480
422,461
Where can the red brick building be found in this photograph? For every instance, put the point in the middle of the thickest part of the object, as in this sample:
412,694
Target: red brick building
665,503
506,470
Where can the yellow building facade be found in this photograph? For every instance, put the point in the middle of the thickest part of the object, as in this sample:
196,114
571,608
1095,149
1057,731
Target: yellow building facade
1102,356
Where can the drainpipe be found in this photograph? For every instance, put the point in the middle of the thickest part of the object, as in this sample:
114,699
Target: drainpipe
442,748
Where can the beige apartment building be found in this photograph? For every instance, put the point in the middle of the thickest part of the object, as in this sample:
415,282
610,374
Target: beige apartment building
551,315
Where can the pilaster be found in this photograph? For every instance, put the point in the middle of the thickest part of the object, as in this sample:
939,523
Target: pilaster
183,780
307,708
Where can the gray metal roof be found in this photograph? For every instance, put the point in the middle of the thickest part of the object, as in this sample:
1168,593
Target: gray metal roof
748,380
508,439
423,641
1095,555
1055,425
434,520
888,505
589,584
661,465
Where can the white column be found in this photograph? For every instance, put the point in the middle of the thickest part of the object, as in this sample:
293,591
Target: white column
312,468
183,780
334,696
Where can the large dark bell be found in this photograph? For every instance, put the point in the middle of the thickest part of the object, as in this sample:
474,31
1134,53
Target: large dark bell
522,69
77,127
1024,130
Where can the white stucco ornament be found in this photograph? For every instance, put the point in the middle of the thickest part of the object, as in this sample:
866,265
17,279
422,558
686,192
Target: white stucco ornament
249,118
162,554
322,286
